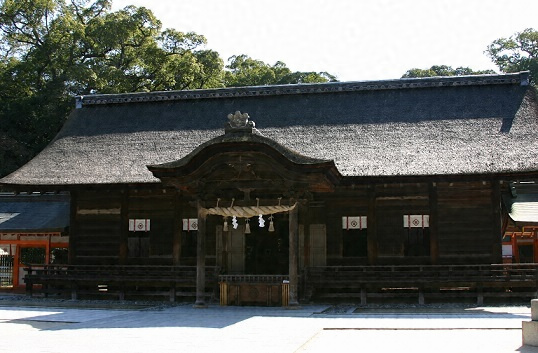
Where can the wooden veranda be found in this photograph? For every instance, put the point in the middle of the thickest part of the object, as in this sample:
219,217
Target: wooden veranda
419,283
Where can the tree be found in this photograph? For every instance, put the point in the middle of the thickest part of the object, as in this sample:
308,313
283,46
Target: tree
51,51
444,70
242,70
517,53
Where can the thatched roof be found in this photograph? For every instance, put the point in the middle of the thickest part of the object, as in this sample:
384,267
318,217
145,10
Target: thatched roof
34,213
407,127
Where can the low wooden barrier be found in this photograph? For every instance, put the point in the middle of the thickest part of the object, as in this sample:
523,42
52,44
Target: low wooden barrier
268,290
120,282
421,283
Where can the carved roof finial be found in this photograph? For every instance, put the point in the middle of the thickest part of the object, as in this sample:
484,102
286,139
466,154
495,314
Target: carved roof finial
239,122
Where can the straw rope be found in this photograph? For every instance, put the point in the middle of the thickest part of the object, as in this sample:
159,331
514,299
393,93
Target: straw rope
248,211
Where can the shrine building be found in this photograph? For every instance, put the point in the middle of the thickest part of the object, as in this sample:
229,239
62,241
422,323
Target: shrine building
276,195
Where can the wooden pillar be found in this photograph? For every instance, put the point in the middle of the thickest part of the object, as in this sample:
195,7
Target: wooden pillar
178,224
434,224
371,234
293,257
200,260
47,251
307,221
73,229
535,244
224,242
16,264
496,251
124,228
515,252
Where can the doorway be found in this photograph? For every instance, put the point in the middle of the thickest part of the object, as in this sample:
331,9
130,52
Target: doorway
6,269
34,256
260,252
267,253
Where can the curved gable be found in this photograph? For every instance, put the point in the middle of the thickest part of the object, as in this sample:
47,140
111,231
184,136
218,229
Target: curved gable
243,158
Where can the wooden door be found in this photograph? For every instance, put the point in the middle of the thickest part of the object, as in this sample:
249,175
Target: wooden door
236,250
219,248
318,245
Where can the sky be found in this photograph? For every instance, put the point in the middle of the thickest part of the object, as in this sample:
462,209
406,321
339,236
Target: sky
355,40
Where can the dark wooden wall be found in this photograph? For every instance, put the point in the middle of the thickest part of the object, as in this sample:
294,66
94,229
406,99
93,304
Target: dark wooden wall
341,204
100,221
158,206
464,223
468,224
100,226
392,202
95,227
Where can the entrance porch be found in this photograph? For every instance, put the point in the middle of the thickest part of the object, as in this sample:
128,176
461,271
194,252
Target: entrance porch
239,176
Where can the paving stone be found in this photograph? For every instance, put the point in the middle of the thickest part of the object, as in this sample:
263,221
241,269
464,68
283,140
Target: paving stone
257,329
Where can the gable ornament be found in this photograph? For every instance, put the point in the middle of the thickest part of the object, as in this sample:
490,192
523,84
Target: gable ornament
239,120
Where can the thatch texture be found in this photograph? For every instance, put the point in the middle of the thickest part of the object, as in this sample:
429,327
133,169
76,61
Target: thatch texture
409,127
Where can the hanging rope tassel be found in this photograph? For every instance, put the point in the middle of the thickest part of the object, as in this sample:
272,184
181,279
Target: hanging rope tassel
234,222
271,224
225,226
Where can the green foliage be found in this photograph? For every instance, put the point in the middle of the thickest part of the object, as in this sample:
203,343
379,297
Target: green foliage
517,53
52,50
245,71
444,70
59,256
33,256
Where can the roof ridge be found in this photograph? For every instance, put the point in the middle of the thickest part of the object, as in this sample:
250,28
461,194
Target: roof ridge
520,78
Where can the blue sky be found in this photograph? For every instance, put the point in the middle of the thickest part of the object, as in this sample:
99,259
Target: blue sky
353,39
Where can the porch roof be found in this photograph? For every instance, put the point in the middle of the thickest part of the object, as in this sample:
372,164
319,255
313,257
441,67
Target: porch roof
34,213
522,202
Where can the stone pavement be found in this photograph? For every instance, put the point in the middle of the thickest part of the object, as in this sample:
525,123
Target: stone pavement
256,329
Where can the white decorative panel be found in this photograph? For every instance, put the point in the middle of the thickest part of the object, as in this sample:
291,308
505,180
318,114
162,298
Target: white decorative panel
139,225
190,224
416,221
507,250
355,222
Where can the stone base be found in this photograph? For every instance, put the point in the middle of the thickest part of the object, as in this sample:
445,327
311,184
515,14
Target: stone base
200,305
530,333
534,309
293,306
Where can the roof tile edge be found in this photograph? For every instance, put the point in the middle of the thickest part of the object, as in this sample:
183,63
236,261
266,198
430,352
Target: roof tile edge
520,78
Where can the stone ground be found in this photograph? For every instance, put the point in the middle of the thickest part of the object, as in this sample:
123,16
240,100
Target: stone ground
58,326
